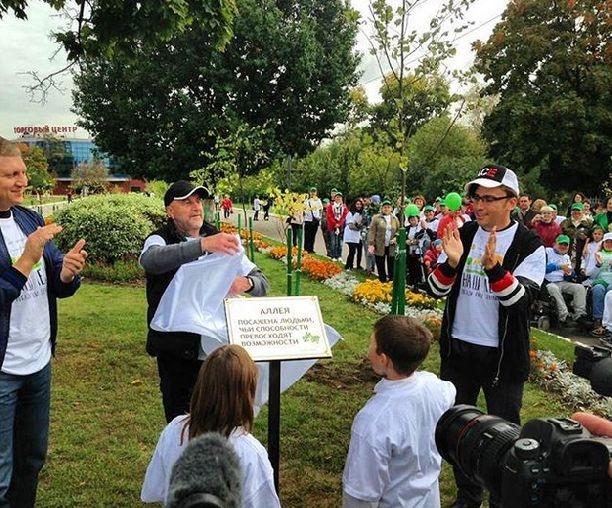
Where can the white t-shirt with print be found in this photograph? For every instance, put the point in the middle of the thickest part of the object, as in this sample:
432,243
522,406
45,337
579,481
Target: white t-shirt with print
477,313
29,345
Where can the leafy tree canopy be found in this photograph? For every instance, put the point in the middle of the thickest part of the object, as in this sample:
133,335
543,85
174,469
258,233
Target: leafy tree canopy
39,178
550,63
283,80
103,27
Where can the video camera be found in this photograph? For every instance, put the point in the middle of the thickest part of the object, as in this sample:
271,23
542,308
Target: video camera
595,364
550,462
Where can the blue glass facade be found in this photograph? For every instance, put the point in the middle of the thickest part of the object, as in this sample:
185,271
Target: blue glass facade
65,154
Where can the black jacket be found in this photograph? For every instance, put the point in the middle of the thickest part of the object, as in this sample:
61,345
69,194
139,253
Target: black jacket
514,329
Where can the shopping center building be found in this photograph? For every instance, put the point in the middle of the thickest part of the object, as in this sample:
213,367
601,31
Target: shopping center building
65,153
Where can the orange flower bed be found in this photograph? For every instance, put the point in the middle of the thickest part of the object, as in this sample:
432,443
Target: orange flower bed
319,269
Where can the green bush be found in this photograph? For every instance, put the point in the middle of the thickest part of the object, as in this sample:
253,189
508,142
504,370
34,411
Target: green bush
121,272
114,225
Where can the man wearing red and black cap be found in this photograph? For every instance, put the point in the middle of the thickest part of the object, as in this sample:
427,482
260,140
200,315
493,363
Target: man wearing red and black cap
184,238
490,270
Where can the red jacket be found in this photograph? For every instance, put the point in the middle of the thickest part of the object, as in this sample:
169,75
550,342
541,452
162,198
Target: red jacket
332,222
547,231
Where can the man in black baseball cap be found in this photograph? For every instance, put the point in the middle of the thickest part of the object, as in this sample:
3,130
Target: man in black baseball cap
181,190
184,238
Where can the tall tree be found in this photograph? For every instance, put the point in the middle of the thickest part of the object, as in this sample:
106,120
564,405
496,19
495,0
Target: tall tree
443,156
422,98
285,75
550,63
102,28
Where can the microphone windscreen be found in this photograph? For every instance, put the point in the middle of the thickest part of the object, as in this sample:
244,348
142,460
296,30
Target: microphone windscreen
207,474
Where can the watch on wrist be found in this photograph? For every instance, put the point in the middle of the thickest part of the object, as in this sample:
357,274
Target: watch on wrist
251,284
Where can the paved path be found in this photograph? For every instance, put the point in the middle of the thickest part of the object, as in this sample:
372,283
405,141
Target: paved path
275,228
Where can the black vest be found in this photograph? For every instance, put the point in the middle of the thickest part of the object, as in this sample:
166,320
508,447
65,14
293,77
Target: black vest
179,344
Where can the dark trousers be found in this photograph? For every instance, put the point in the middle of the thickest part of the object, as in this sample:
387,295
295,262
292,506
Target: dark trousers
176,379
414,269
310,233
296,230
472,368
353,248
385,275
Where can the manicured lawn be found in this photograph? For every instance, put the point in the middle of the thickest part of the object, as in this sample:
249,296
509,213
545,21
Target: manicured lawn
107,414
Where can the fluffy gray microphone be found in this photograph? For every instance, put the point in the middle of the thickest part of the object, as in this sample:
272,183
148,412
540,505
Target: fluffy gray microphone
206,475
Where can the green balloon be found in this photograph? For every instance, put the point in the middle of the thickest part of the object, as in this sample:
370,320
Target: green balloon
411,211
453,201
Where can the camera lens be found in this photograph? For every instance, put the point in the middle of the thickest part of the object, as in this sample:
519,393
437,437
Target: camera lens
476,443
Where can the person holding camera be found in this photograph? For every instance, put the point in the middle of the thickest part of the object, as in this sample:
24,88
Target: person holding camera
392,458
489,271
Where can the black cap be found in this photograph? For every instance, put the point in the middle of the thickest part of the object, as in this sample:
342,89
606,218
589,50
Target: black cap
182,189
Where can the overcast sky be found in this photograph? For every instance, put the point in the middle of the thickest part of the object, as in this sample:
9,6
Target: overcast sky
26,46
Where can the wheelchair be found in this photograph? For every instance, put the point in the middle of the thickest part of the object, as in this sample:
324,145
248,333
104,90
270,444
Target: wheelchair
544,313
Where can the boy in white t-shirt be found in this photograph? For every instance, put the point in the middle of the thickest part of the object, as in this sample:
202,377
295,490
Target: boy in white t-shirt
392,458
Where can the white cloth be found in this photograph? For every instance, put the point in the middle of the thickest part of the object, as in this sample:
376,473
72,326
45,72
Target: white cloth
313,208
29,345
353,235
392,455
193,303
257,476
477,299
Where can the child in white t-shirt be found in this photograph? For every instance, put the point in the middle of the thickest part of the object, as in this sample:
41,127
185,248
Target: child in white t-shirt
393,460
222,401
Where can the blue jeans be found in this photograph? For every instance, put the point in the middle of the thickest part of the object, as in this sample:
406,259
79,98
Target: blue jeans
335,244
599,295
24,431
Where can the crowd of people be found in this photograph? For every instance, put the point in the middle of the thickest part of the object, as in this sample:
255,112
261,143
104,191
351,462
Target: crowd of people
488,258
578,244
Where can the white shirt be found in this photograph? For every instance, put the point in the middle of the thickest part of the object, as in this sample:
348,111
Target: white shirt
312,209
29,345
352,235
477,299
257,475
555,257
393,460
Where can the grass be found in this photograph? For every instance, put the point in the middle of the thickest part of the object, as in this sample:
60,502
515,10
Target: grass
107,414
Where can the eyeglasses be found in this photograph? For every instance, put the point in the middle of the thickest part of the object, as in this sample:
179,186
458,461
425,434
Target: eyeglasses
488,199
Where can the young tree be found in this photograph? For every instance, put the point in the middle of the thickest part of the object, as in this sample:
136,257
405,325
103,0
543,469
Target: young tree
550,64
90,177
413,57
